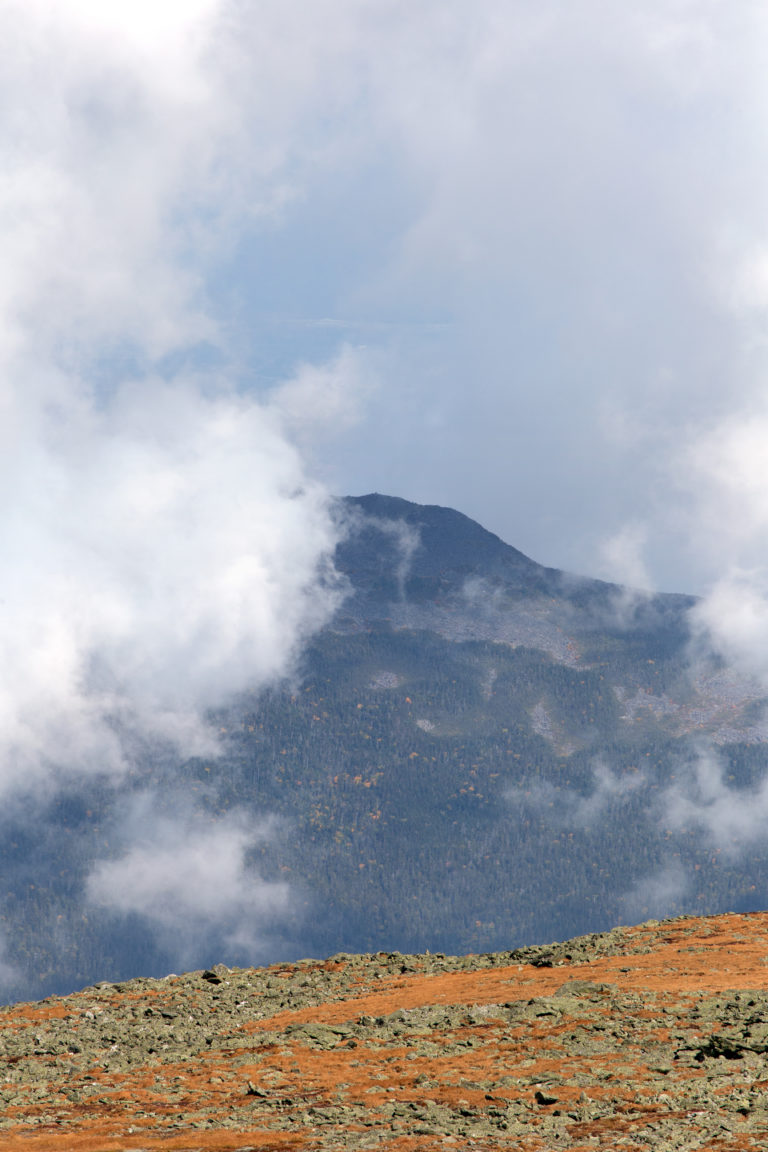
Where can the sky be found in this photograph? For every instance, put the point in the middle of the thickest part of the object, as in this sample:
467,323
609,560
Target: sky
518,255
507,257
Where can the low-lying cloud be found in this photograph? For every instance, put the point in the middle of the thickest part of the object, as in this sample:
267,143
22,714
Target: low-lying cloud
166,540
609,792
187,876
160,556
701,799
660,893
732,620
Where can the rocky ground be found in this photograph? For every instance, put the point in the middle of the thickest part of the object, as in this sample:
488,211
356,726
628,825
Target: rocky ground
647,1037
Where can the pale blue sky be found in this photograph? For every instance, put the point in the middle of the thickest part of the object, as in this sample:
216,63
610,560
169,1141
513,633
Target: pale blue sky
543,228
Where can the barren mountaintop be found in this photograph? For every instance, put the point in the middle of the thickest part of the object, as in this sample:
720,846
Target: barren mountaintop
654,1036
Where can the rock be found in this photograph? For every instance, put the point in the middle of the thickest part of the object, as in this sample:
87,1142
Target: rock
544,1098
639,1059
216,975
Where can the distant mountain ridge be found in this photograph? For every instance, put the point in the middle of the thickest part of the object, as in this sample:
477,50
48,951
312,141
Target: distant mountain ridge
477,753
448,543
447,574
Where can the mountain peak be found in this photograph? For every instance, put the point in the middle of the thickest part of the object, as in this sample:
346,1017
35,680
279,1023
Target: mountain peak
430,550
448,535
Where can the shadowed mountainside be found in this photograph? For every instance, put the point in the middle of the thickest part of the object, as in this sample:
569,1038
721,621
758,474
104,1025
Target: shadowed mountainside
648,1036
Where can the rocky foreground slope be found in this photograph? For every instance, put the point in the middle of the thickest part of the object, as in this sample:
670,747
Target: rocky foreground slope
648,1037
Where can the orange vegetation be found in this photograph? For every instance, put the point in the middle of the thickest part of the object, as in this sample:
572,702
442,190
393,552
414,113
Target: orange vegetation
288,1088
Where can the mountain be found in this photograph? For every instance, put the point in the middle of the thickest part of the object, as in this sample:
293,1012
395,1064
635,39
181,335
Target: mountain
478,753
651,1036
427,568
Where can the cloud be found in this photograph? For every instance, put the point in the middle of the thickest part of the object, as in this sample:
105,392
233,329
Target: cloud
734,818
160,555
101,135
659,894
725,475
622,558
609,791
165,542
723,463
732,619
188,878
322,400
572,809
406,540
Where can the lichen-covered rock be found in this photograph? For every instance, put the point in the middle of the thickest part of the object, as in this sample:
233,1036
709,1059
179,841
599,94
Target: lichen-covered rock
655,1036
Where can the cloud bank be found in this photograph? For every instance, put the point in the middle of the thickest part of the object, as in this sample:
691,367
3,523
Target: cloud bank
164,541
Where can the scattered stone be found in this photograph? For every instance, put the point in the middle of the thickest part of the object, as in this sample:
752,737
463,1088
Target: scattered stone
544,1098
364,1050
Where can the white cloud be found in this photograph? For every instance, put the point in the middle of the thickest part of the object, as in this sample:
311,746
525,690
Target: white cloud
405,538
164,541
159,556
725,466
659,894
572,809
98,144
723,471
623,560
189,878
322,400
733,619
609,790
734,818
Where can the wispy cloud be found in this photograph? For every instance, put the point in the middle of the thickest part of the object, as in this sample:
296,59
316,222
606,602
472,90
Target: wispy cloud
622,560
188,877
660,893
405,538
322,400
609,792
701,799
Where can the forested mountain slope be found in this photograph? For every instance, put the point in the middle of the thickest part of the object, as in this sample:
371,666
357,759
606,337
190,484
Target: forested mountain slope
478,753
